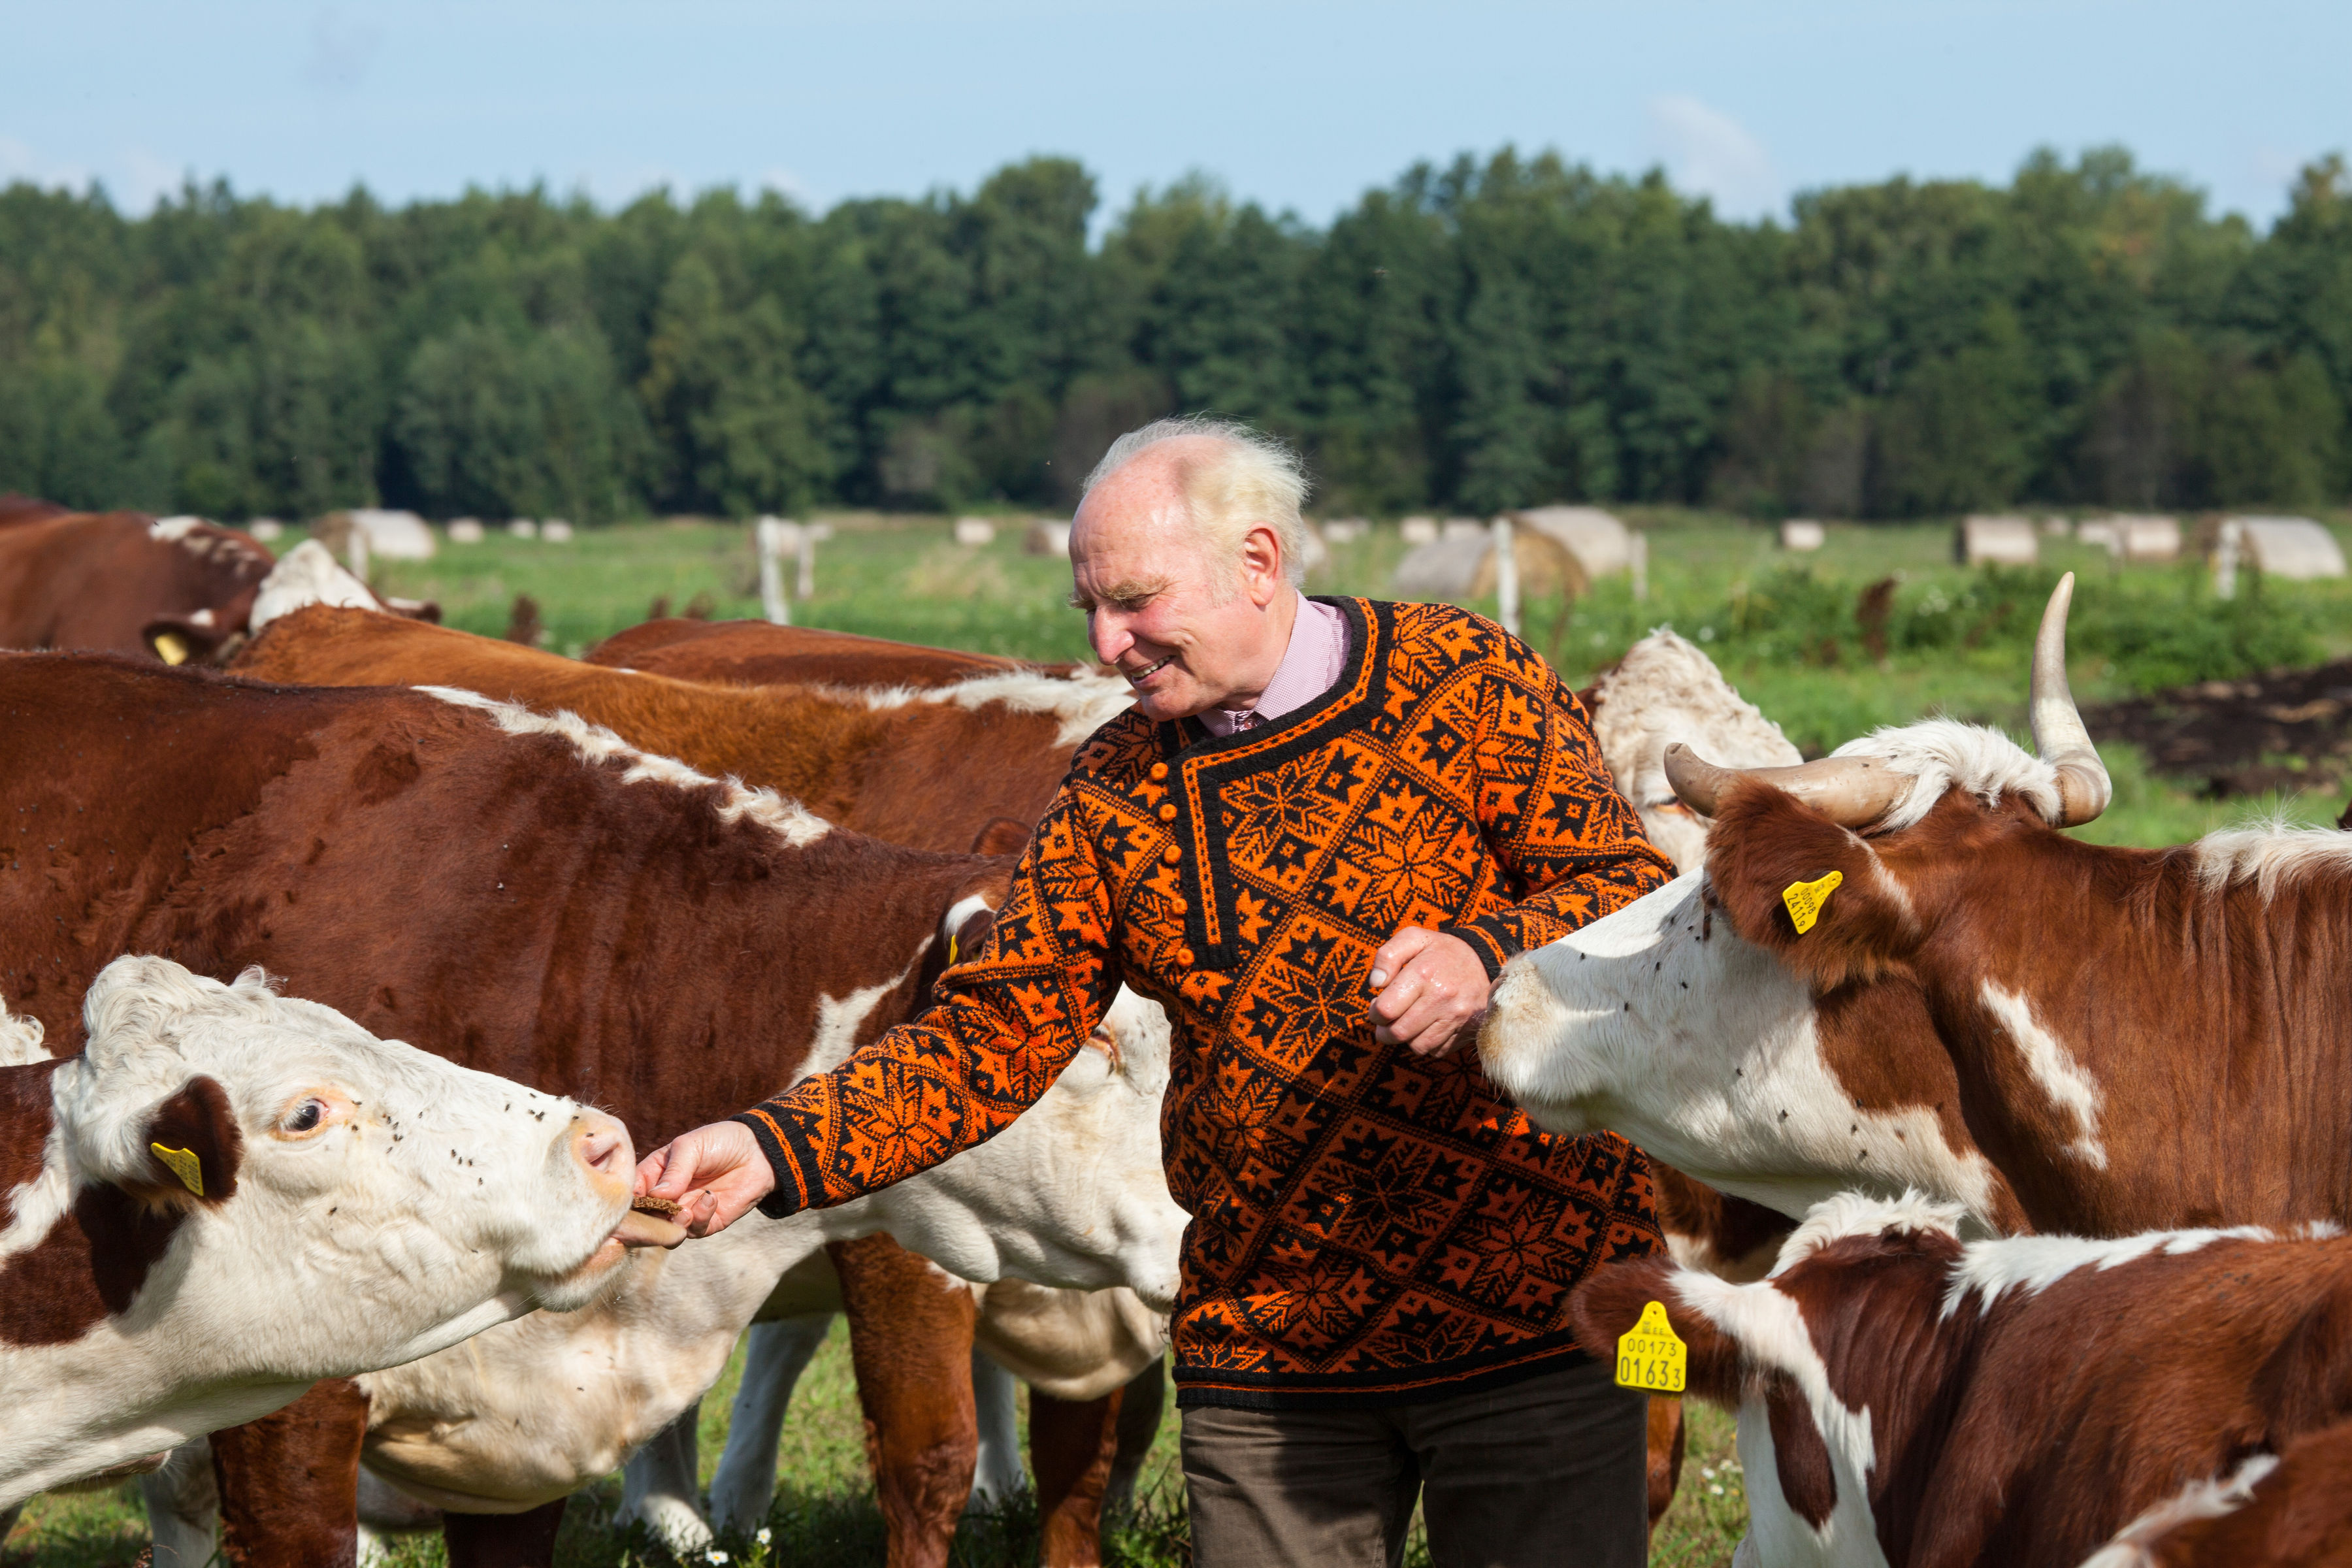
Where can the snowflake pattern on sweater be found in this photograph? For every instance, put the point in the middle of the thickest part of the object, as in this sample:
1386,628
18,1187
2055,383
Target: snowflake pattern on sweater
1369,1225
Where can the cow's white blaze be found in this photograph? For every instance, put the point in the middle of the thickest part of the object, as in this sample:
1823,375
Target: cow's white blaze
1771,1331
386,1203
790,820
2074,1091
308,575
1667,1027
2210,1497
1083,701
2032,1264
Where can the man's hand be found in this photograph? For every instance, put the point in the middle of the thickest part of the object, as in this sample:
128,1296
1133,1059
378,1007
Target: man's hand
1432,989
713,1173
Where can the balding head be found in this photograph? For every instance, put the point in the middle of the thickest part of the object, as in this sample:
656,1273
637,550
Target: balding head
1183,555
1217,479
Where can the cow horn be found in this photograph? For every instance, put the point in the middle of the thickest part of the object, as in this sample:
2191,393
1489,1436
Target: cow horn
1852,792
2059,737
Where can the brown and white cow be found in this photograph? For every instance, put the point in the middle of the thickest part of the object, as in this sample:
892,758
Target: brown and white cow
756,653
229,1194
125,581
867,755
533,895
1908,1400
2291,1509
869,760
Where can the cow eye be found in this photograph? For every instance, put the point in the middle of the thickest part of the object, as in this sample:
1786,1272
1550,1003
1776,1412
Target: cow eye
304,1117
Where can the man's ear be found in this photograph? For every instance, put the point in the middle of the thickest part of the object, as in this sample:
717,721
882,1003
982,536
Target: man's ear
193,1142
1609,1302
1766,842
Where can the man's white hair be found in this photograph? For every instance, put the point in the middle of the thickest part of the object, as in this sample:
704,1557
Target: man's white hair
1254,479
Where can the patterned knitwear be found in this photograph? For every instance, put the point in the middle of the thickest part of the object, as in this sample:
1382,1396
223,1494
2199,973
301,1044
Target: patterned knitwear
1369,1227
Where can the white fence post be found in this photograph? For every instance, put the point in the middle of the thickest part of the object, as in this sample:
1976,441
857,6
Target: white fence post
1507,576
774,535
811,534
2225,560
356,547
1637,561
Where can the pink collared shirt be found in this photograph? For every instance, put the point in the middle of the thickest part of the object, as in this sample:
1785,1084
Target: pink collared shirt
1310,667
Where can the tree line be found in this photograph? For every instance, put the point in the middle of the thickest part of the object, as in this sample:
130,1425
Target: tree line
1496,333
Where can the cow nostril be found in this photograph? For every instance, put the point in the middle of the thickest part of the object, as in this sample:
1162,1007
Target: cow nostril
600,1148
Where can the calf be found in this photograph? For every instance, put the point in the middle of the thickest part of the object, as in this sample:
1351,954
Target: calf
536,897
125,581
229,1194
756,653
2291,1509
1908,1400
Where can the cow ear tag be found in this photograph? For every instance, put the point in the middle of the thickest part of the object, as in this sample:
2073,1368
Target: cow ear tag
184,1165
171,647
1805,899
1651,1356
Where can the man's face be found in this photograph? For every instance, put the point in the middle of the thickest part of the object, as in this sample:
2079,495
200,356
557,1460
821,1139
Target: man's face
1151,600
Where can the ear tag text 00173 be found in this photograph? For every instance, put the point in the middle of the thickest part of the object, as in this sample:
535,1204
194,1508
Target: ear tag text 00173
1651,1356
1805,899
184,1165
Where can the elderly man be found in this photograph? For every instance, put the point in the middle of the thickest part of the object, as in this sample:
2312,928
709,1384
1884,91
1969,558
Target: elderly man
1320,831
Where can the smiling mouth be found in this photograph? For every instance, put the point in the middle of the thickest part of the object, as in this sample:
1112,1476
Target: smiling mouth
1138,677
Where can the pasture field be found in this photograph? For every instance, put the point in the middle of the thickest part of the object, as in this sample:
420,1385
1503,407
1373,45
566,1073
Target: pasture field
1784,629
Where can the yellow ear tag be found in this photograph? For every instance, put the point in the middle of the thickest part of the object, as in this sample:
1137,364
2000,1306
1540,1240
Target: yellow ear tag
1651,1357
184,1165
171,647
952,950
1805,899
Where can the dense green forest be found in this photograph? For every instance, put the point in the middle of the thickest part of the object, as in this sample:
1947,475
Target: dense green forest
1488,334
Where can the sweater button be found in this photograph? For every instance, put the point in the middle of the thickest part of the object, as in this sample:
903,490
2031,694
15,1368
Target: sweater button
1158,772
1179,905
1168,811
1184,958
1170,855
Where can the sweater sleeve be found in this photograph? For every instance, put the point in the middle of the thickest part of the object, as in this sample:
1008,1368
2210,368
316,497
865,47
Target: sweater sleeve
1571,848
1005,1022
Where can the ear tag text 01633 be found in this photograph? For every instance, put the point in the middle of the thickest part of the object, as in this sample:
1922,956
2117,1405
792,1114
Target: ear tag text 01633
1651,1356
184,1165
1805,899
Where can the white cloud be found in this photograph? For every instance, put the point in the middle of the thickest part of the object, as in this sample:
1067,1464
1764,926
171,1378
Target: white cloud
1709,154
20,161
145,180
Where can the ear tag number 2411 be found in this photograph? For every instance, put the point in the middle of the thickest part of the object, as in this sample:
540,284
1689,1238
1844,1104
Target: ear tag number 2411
1651,1356
1805,899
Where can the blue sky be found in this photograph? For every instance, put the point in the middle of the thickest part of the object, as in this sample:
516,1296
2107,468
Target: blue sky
1294,103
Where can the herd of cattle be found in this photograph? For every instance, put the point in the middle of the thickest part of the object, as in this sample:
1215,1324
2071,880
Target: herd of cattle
1932,1155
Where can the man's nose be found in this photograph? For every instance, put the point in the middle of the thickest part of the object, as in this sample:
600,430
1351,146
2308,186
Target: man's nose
1108,632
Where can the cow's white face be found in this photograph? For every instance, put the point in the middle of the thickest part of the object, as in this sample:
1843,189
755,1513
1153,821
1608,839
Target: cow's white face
1073,1193
391,1200
1659,1022
309,574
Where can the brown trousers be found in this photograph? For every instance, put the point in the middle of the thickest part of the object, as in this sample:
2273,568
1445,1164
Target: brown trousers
1545,1471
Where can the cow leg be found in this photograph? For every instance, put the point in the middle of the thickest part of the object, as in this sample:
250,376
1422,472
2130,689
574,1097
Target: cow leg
504,1540
998,1477
386,1510
774,1356
289,1482
660,1490
1140,1405
911,1341
1071,1445
183,1507
1665,1446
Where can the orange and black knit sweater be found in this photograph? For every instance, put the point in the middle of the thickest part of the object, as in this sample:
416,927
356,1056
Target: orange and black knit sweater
1369,1227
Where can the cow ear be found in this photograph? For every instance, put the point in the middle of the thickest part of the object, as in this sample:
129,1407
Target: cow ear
193,1142
1607,1304
183,639
961,930
1002,835
414,609
1766,842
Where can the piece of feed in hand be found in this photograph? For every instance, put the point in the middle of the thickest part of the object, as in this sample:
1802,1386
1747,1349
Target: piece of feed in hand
648,1203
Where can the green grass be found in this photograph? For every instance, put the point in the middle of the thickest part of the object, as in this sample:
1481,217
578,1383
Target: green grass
1783,632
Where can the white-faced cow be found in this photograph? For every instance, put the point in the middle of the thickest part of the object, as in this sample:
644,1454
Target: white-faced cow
1909,1401
532,896
229,1194
2134,1038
